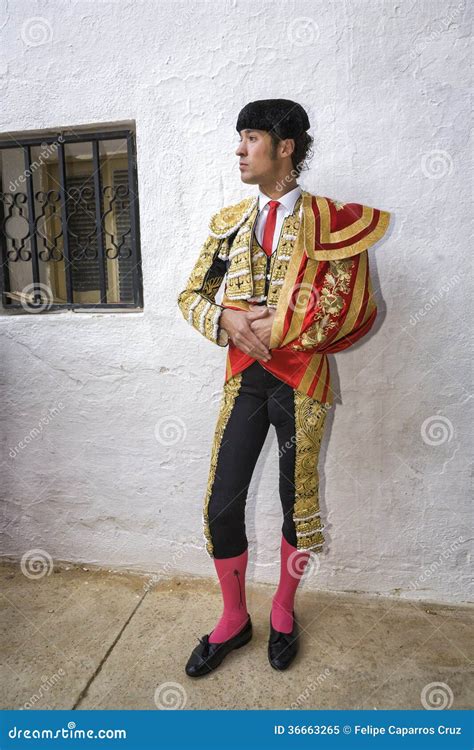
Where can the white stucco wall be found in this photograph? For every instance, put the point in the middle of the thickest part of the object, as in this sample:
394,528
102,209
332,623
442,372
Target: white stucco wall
118,475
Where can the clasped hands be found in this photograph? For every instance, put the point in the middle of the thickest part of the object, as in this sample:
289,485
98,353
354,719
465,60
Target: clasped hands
250,330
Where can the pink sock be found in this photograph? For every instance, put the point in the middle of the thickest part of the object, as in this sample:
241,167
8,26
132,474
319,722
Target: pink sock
292,565
231,572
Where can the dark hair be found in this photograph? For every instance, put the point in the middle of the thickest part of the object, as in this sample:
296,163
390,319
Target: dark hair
302,151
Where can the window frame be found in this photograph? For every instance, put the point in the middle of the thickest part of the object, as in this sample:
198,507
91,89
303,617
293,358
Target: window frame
61,138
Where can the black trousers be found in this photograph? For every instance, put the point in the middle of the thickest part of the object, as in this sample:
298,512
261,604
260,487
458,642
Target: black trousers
252,401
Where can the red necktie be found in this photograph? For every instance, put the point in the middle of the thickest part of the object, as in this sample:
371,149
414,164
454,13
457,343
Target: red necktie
269,231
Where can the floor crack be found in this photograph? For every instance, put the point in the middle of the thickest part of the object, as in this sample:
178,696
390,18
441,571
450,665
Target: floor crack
85,690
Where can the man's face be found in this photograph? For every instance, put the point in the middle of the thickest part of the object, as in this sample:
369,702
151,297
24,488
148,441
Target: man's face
256,163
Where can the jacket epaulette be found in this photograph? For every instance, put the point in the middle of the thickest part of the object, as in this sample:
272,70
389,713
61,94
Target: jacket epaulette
227,221
340,230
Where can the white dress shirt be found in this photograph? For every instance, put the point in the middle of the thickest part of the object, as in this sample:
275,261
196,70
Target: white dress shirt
286,207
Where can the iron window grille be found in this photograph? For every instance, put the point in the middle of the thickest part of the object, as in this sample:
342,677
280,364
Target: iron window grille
69,222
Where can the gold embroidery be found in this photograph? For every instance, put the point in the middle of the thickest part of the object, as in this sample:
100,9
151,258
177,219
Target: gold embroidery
239,283
211,287
277,336
282,256
245,279
229,218
197,300
203,262
336,282
310,416
359,286
338,204
229,394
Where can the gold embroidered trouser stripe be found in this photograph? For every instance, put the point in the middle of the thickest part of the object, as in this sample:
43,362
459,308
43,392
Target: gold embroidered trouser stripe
321,384
310,418
229,395
228,367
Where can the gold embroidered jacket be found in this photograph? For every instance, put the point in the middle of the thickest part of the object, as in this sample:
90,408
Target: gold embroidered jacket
319,285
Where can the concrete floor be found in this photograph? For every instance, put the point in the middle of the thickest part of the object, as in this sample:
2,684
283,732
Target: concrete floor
88,639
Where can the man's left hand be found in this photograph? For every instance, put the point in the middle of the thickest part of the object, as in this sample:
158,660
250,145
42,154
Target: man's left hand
262,326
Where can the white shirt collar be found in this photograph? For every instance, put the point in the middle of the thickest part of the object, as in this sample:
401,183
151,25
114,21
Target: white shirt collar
288,200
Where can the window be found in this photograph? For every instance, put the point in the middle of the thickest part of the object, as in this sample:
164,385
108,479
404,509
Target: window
69,233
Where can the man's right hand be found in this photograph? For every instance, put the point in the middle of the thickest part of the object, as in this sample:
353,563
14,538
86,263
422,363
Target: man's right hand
237,325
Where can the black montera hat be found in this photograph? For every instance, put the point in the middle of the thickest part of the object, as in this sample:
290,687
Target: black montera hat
285,118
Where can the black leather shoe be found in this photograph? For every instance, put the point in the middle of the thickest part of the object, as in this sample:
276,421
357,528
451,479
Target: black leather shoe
283,647
207,656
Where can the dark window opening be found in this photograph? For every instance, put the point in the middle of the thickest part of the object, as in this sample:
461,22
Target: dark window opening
69,232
